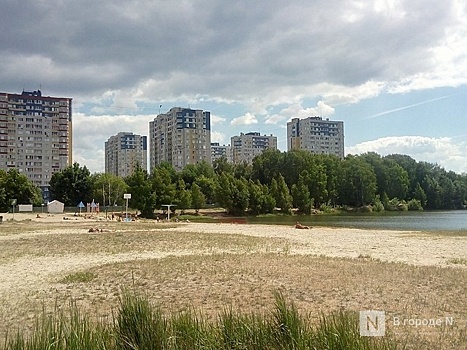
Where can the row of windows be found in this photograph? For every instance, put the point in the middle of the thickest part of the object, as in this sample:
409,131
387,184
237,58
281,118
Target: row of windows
37,102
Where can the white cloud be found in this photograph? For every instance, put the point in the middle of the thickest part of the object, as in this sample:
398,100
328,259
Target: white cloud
215,119
217,136
246,119
115,56
298,111
443,151
91,132
274,119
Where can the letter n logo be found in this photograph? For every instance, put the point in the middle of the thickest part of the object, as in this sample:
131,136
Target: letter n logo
372,323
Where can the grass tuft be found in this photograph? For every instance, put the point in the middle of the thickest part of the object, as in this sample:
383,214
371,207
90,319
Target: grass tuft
78,277
458,261
140,325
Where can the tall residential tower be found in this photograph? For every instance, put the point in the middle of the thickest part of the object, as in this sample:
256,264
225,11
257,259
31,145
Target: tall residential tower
247,146
316,135
35,135
123,152
218,151
181,136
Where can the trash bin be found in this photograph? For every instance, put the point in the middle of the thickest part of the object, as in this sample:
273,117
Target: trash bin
1,218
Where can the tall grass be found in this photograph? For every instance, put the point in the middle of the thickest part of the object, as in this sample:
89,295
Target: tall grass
138,325
63,331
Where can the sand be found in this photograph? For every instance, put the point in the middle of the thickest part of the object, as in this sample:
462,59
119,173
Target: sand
34,272
37,252
409,247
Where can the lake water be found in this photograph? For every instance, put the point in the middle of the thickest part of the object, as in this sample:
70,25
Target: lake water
419,221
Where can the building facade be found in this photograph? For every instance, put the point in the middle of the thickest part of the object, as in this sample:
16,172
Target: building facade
316,135
180,137
35,135
247,146
123,152
218,151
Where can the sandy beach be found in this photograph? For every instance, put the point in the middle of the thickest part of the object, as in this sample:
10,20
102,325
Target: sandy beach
32,272
410,247
200,262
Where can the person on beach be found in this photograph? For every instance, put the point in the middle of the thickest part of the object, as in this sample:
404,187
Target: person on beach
301,227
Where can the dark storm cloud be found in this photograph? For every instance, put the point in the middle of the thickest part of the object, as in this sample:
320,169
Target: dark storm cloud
219,49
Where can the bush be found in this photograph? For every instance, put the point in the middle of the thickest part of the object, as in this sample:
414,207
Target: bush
414,204
365,209
396,205
378,206
326,208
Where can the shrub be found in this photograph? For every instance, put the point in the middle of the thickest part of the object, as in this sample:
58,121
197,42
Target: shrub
414,204
378,206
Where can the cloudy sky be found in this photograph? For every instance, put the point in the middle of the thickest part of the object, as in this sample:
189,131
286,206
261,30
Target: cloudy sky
395,71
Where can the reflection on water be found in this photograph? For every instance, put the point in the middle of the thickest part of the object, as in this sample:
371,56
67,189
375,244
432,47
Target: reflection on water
420,221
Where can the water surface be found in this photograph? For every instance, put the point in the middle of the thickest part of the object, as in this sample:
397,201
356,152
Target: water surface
453,220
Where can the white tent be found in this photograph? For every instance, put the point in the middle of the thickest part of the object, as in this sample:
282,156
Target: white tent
55,207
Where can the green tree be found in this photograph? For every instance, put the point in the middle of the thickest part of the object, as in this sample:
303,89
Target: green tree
221,166
208,187
108,189
281,194
267,166
164,179
432,189
293,164
242,170
397,181
256,197
14,185
416,171
189,174
269,203
183,200
241,196
420,194
301,196
71,185
232,194
198,200
358,182
316,181
192,172
332,166
261,201
143,196
224,190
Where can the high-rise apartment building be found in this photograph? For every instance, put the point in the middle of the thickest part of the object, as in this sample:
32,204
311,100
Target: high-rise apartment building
316,135
247,146
35,135
218,151
180,137
123,152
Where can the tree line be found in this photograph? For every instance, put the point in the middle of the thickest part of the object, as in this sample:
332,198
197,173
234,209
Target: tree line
275,180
